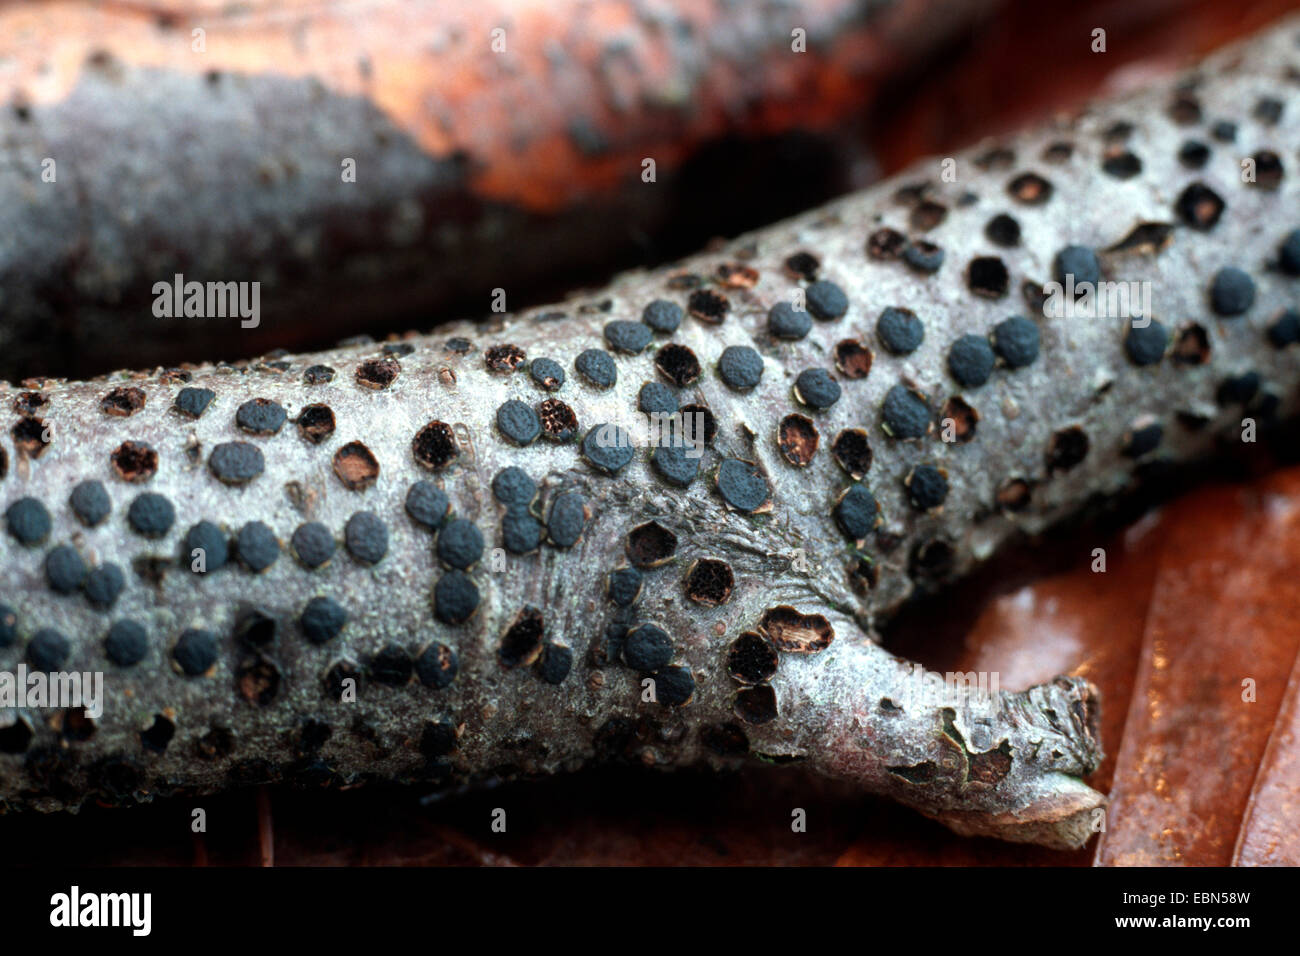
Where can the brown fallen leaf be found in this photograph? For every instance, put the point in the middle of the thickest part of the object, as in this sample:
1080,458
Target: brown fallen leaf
1220,645
1268,835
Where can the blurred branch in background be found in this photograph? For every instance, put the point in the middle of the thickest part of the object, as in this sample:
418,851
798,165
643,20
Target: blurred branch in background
495,145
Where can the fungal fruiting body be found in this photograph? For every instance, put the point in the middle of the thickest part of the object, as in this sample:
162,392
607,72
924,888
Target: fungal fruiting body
498,550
